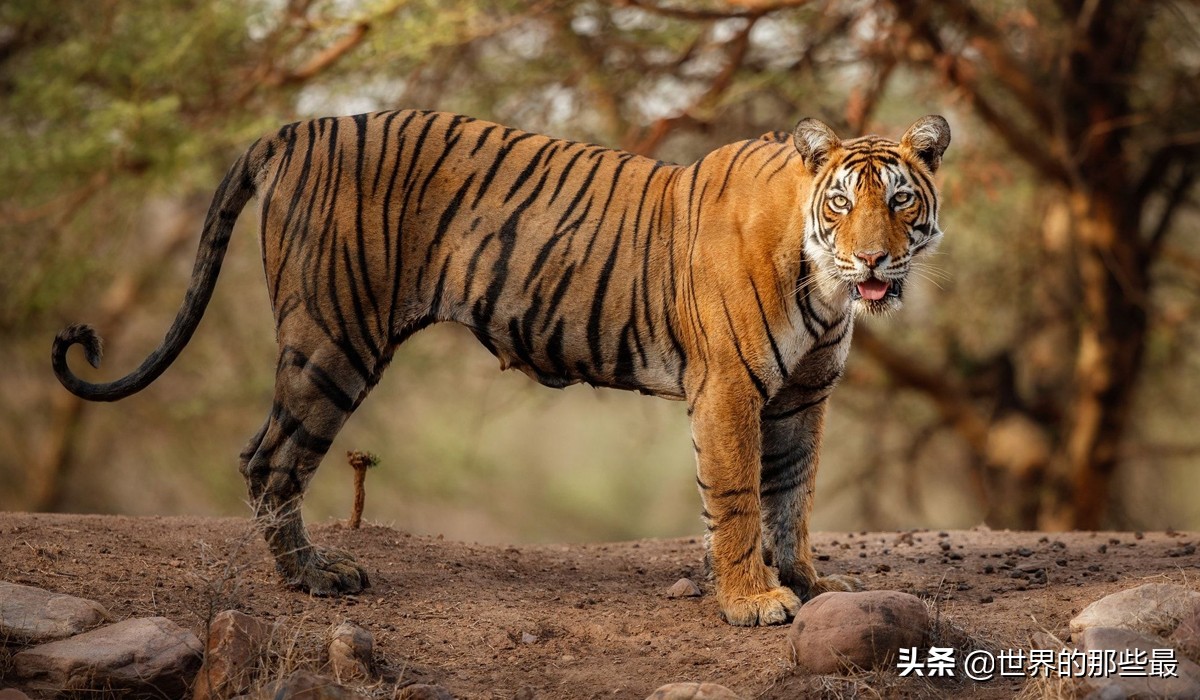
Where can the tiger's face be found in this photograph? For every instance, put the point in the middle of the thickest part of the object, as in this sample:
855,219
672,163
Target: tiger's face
873,210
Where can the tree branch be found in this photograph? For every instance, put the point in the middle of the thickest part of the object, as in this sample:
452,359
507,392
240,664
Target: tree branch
953,68
651,138
950,399
1178,194
325,58
753,10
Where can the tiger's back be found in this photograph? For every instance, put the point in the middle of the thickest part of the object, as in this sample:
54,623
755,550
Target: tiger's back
538,245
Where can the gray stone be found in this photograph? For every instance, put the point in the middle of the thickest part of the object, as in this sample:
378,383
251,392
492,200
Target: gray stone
32,616
1155,608
684,588
149,656
351,649
693,691
1185,685
1107,692
838,632
233,654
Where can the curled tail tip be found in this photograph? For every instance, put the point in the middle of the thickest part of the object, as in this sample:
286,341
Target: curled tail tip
83,334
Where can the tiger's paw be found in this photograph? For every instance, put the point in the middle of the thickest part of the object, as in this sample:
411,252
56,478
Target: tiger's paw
331,572
773,607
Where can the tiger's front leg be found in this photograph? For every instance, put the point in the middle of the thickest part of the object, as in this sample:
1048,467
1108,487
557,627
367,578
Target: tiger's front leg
792,426
726,432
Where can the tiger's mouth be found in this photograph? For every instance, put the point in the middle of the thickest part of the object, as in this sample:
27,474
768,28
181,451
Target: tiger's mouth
877,295
875,289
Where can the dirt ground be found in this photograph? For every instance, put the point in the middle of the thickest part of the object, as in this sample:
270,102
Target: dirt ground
577,621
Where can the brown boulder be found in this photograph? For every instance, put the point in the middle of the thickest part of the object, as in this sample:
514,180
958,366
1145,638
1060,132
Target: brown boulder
232,656
838,631
1186,637
149,656
351,649
306,685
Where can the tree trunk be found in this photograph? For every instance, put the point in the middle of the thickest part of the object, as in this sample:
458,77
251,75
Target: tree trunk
1112,334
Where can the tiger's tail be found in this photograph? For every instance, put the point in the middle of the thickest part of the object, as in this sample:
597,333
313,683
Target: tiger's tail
231,196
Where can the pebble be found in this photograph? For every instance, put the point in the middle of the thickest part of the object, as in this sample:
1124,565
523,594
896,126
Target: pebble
684,588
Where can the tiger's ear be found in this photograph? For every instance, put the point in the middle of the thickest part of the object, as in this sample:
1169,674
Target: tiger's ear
928,139
815,141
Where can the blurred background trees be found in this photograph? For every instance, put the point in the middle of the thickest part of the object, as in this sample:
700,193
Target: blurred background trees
1042,376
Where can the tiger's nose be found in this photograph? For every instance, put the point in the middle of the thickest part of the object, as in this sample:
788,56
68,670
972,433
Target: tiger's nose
871,259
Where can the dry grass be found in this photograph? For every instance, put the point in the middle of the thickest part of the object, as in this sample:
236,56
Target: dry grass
1053,687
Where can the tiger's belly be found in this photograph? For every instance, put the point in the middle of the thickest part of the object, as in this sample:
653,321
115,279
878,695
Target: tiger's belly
559,359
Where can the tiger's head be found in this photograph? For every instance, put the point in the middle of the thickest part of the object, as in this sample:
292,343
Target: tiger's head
873,209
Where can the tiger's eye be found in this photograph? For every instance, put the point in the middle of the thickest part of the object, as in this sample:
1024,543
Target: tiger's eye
839,201
901,198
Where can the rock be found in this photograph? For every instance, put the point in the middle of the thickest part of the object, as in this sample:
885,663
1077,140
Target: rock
232,656
1044,640
306,685
1155,609
838,631
12,694
1185,685
684,588
1186,637
421,691
351,652
150,655
693,691
32,616
1107,692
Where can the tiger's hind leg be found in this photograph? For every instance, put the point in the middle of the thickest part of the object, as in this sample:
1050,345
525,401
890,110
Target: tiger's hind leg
317,387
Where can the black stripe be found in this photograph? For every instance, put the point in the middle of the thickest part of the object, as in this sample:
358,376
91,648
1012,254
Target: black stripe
593,327
731,493
781,465
737,346
291,429
733,164
322,380
554,347
789,412
360,124
483,135
497,161
534,162
746,555
560,290
762,314
790,485
449,142
443,225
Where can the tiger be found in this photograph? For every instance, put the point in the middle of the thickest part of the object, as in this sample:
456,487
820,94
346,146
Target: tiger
731,284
